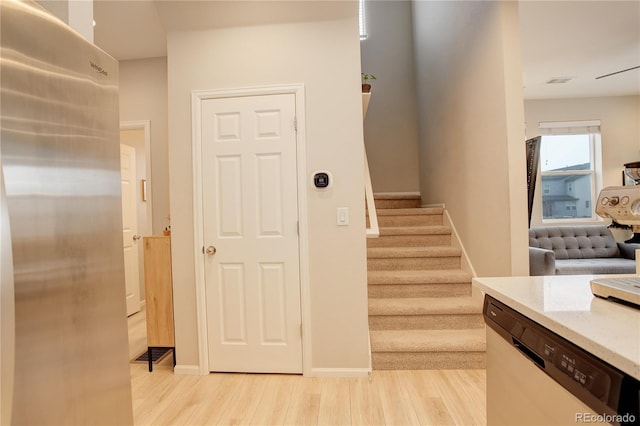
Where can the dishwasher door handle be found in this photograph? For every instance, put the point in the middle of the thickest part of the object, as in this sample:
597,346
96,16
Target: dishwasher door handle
528,352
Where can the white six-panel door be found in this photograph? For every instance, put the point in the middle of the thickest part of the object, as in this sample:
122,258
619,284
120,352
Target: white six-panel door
130,228
250,212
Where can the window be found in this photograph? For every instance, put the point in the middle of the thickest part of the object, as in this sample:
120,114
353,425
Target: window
363,20
570,164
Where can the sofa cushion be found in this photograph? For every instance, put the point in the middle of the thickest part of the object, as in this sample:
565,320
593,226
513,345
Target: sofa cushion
575,242
595,266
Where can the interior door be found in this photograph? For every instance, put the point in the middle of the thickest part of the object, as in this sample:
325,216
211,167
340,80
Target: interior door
130,235
250,211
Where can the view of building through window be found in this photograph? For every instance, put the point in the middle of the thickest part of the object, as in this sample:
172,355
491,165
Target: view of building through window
567,171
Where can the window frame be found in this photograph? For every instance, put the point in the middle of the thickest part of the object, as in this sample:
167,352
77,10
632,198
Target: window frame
592,129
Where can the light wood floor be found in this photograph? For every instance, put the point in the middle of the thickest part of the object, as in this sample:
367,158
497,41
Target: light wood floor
403,397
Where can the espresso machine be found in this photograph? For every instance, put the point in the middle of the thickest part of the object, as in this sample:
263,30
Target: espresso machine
621,204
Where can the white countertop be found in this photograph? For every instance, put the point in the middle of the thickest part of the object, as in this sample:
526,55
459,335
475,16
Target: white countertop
565,305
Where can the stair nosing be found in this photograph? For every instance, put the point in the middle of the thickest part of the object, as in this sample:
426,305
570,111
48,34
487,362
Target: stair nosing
410,211
411,197
462,305
417,230
451,276
412,252
451,340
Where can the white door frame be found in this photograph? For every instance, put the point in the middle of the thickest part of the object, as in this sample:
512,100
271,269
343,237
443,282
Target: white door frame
146,126
197,98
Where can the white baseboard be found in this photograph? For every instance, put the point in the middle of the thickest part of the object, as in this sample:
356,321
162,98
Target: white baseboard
188,370
465,263
340,372
194,370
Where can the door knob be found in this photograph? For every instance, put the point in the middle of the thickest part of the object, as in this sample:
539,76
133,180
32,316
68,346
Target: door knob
211,250
136,237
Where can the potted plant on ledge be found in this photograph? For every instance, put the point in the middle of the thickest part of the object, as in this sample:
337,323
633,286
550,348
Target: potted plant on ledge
366,85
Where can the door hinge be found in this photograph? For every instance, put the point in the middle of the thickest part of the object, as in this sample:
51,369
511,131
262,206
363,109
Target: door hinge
295,123
298,227
300,330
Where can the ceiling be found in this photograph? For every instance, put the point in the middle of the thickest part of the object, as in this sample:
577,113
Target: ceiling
579,40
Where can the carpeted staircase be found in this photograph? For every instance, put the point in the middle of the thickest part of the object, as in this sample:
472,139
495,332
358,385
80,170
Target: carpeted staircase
421,313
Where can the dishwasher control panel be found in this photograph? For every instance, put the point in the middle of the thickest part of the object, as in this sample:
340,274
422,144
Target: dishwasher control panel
599,385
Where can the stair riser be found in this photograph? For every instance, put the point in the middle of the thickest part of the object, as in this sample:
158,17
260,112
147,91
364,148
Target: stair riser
418,290
413,263
428,360
410,220
425,322
398,204
409,241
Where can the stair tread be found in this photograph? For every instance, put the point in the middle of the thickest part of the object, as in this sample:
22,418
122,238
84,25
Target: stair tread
413,211
435,276
415,230
425,306
457,340
398,252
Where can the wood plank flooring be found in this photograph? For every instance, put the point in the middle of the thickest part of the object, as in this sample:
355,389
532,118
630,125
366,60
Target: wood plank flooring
404,397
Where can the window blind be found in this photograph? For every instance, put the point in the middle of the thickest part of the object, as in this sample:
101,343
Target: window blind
569,127
362,19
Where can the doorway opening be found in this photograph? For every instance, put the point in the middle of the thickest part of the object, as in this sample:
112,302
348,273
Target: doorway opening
137,136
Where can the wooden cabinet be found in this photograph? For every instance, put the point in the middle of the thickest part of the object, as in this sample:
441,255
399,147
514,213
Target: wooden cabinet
158,294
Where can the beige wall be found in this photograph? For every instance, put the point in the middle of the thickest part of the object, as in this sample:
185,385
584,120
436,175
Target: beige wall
323,54
77,14
471,132
143,96
390,129
619,126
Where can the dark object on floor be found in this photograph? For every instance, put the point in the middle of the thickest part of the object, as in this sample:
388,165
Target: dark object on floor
157,355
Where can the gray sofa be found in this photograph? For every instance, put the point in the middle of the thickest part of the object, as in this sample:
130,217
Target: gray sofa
575,250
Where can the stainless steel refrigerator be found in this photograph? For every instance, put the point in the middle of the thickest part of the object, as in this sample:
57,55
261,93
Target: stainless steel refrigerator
64,340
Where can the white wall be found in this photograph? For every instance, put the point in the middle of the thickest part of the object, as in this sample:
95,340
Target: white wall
143,96
323,54
619,126
391,129
471,132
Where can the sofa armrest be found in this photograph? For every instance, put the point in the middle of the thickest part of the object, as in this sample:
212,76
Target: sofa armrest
541,261
628,251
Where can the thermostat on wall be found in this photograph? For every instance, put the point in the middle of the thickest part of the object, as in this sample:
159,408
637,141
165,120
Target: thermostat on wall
322,180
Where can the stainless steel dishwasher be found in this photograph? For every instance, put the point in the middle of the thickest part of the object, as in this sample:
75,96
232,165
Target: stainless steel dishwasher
536,377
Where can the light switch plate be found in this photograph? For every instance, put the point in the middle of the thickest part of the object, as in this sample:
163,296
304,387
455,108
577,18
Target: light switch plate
342,218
